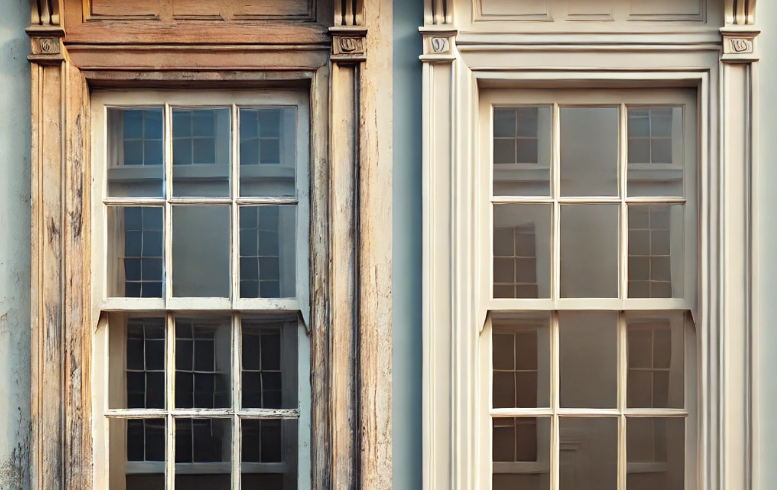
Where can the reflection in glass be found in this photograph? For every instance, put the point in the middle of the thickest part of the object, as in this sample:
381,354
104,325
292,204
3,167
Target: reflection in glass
201,152
200,440
594,462
522,151
135,252
520,439
268,251
201,251
588,359
521,360
269,441
145,447
655,453
656,360
522,250
135,152
655,138
268,152
589,151
137,367
589,251
202,362
269,362
656,251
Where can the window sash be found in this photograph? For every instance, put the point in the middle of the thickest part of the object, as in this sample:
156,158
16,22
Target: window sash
236,306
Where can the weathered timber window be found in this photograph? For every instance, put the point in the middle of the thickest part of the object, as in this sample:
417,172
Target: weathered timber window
201,270
587,357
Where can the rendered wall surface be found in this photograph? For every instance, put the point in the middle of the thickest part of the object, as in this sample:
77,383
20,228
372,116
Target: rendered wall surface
14,246
765,423
408,16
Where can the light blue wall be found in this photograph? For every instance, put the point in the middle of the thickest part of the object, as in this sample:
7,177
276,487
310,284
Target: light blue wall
408,16
14,245
767,245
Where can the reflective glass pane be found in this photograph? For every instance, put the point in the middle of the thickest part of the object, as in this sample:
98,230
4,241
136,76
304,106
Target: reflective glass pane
517,442
589,151
135,152
521,360
655,156
269,362
207,441
269,441
201,240
656,377
144,440
655,453
135,258
656,246
594,462
139,381
589,251
588,365
268,265
268,151
203,362
201,152
522,250
522,150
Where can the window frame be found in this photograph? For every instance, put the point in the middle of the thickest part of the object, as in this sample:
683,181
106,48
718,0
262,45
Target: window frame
103,305
488,100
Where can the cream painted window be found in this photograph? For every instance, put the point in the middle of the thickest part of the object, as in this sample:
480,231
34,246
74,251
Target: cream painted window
200,255
588,364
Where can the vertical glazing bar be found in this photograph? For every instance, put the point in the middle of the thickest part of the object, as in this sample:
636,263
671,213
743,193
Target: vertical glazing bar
555,432
168,217
622,181
234,237
236,401
555,192
623,370
170,402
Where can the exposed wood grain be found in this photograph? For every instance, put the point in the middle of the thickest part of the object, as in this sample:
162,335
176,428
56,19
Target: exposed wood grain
375,250
344,275
191,32
47,278
319,279
77,286
162,58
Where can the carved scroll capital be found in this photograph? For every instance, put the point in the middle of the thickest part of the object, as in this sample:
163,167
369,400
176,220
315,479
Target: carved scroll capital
739,45
348,44
439,44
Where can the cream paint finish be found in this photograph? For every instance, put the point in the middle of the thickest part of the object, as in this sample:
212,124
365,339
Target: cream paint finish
623,54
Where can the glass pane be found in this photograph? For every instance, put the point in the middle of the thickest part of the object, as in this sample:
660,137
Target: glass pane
269,362
656,360
269,441
521,360
655,151
656,251
144,440
209,443
588,359
135,152
522,138
655,453
135,258
268,265
518,442
201,240
201,152
522,250
593,464
268,152
589,151
202,362
589,251
137,361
